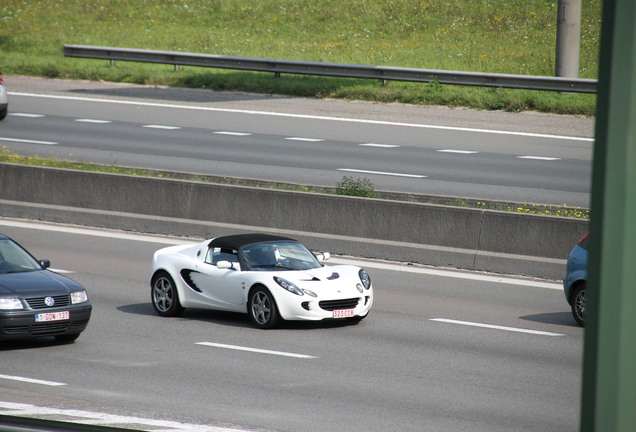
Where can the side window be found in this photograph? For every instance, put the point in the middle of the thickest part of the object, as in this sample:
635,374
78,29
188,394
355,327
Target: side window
217,254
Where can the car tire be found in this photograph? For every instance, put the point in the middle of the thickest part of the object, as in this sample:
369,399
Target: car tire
164,295
3,113
578,304
67,337
262,308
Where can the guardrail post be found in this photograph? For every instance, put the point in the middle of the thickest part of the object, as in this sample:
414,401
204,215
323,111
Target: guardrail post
568,39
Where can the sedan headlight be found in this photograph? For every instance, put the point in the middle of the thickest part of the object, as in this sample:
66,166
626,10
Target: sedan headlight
364,278
10,303
288,286
79,297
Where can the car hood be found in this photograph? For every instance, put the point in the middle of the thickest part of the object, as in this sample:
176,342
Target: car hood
39,282
339,273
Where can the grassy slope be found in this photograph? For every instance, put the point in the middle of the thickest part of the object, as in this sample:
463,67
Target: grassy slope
499,36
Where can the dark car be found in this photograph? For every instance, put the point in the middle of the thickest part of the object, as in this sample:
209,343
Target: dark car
35,301
576,279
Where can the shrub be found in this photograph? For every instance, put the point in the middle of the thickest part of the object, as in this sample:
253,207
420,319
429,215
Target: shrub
356,187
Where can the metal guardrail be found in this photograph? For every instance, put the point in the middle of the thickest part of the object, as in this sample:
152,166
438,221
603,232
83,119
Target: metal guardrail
383,73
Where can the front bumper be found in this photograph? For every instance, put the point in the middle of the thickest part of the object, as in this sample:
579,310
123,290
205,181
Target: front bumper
21,324
309,309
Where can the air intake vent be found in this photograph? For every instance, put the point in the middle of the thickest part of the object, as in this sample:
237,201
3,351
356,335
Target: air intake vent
331,305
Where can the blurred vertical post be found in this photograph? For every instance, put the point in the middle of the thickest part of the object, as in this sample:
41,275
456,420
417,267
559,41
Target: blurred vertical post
568,38
609,364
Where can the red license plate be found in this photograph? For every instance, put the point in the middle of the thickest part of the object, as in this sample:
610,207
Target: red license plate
52,316
343,313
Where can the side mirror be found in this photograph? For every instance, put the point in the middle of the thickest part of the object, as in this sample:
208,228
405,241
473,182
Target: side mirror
323,256
226,265
45,263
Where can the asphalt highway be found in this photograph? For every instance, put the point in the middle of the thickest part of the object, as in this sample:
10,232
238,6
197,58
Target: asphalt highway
515,157
440,351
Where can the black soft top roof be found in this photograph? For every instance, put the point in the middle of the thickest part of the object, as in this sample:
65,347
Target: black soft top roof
238,241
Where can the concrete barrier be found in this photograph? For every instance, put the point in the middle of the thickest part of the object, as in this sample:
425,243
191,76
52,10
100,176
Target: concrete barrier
403,231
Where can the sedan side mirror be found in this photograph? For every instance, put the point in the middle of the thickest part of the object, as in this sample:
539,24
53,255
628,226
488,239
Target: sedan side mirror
45,263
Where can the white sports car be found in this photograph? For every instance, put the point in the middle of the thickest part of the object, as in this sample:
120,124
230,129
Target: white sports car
268,277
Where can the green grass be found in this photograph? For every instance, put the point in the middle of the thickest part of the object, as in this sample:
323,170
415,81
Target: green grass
496,36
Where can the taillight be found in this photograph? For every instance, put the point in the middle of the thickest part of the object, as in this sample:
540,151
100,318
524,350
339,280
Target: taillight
1,80
583,241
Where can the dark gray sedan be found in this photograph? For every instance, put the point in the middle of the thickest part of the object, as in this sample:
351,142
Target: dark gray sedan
35,301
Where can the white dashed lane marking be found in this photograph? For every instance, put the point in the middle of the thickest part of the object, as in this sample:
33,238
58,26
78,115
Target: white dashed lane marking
255,350
542,158
381,173
304,139
31,380
232,133
458,151
161,127
496,327
379,145
96,121
26,141
27,115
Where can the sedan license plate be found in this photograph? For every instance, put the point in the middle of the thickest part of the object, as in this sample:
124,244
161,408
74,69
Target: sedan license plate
52,316
343,313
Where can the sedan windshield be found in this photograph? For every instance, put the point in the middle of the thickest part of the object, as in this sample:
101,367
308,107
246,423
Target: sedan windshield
14,259
279,256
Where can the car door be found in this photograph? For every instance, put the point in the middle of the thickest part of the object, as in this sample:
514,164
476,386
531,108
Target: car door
223,286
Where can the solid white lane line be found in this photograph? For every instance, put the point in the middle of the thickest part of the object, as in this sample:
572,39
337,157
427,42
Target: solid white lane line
458,151
26,141
255,350
93,121
543,158
31,380
26,115
380,145
232,133
162,127
303,116
496,327
90,417
96,232
381,173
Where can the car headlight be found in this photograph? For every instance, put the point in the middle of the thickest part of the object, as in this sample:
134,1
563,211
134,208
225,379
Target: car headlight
79,297
10,303
364,278
288,286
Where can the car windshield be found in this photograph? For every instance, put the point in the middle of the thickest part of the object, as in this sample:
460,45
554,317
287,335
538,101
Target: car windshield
279,256
14,259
